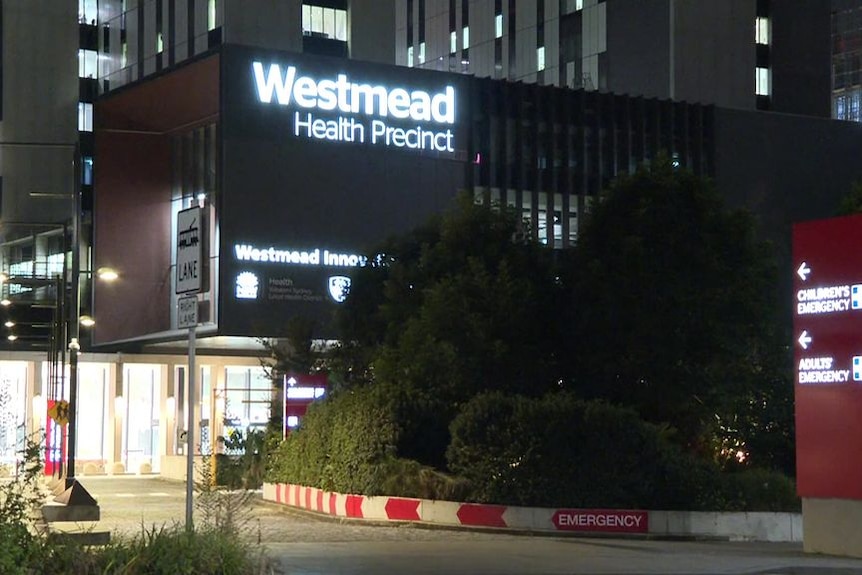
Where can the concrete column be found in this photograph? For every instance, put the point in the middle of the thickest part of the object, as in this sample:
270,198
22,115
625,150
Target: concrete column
217,373
114,444
165,416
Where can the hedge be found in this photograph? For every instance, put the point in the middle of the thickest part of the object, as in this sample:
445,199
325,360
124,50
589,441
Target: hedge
559,451
556,451
342,444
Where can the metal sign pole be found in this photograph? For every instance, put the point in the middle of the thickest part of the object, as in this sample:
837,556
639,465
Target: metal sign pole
190,434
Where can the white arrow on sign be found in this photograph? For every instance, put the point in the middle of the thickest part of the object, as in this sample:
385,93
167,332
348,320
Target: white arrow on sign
804,339
803,271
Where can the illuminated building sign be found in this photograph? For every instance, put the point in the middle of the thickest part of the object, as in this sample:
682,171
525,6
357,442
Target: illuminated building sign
341,110
827,341
315,257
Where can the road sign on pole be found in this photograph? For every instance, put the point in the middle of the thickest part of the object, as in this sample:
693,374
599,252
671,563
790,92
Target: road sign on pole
189,273
187,311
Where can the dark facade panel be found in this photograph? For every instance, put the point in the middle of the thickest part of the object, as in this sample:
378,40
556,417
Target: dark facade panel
319,182
785,168
801,56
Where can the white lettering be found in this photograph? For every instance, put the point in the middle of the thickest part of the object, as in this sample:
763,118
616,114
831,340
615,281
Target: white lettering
273,82
374,100
821,370
245,252
600,520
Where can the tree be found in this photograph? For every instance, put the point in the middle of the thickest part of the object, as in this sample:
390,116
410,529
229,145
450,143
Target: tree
452,309
852,202
676,309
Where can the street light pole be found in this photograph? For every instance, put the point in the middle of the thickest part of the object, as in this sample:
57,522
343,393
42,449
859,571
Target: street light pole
73,318
74,349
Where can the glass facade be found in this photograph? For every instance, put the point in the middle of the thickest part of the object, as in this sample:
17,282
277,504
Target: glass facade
846,61
139,409
13,400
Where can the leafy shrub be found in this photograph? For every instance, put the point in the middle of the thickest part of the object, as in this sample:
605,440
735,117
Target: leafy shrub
559,451
759,490
342,445
408,478
350,443
242,466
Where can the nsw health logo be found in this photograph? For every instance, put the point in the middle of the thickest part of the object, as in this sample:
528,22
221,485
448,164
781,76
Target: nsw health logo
856,296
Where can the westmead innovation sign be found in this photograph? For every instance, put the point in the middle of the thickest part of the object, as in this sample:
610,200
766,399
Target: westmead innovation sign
339,108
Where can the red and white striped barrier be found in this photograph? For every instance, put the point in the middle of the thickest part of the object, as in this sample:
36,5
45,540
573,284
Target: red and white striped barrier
383,508
734,526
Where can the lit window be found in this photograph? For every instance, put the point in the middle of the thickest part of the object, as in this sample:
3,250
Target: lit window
124,55
465,38
160,44
421,52
324,22
87,171
540,58
761,82
87,63
317,19
341,25
329,23
839,108
85,117
211,15
453,42
498,26
761,30
409,56
88,10
579,4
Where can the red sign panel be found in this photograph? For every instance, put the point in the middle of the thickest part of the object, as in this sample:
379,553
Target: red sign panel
55,442
300,390
827,340
601,520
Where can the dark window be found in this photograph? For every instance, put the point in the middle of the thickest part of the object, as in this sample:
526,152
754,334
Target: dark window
512,42
409,22
1,60
421,21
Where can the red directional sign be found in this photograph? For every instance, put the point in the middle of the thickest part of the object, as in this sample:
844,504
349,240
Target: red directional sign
482,515
601,520
827,339
402,509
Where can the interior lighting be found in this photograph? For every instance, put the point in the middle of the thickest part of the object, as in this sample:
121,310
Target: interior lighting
9,323
5,302
11,337
107,274
87,321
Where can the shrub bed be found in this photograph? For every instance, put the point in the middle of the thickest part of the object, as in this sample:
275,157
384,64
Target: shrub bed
559,451
554,451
